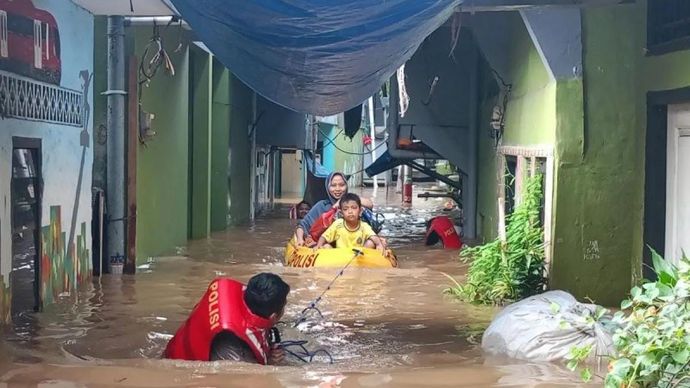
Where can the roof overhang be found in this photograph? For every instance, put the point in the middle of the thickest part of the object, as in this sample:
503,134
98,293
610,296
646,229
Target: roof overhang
517,5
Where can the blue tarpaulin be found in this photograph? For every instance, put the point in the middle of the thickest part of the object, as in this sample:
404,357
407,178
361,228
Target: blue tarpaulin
314,56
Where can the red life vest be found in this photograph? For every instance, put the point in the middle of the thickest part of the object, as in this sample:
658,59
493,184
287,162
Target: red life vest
222,308
442,228
322,223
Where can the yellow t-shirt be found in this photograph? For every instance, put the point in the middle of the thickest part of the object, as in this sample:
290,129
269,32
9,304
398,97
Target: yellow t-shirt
339,234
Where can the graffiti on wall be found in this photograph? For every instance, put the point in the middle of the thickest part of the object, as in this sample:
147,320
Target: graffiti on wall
63,267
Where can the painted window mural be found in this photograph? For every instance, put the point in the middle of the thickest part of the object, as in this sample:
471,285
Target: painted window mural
46,62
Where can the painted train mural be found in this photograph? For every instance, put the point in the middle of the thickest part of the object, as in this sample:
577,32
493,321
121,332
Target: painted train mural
29,41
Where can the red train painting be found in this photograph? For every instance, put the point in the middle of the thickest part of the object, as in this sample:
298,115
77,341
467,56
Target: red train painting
29,41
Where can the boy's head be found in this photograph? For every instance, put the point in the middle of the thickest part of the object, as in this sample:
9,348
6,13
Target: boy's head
351,207
266,296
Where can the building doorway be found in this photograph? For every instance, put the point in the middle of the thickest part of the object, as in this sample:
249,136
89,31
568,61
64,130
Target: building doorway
26,210
677,183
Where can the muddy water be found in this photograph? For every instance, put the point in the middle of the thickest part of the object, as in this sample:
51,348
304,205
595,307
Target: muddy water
384,328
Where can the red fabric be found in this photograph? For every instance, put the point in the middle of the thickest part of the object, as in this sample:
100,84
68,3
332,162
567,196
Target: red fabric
407,192
222,308
442,228
322,223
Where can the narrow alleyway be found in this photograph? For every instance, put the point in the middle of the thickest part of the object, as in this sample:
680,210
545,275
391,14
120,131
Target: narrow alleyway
382,327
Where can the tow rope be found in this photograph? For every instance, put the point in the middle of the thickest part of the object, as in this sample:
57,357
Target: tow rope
299,350
312,305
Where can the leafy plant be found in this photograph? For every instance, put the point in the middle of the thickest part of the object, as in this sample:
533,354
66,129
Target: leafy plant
653,341
652,335
512,270
578,355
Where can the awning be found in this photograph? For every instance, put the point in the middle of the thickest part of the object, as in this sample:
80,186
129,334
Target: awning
319,57
383,163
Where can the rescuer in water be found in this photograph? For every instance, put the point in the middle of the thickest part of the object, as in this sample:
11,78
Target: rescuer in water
233,321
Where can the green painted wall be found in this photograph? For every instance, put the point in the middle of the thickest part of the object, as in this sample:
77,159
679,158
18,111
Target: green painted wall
220,140
487,192
599,183
669,71
530,118
240,153
162,179
349,161
660,72
531,111
200,143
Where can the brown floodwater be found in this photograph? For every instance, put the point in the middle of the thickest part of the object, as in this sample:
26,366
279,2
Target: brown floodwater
383,328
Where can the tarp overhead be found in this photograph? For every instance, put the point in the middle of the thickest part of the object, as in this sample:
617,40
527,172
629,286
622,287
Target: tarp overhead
320,57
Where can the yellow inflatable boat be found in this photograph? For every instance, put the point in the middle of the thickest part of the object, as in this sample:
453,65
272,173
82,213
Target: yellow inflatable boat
304,257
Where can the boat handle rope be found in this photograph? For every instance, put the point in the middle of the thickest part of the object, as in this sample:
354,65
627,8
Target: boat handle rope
312,305
301,352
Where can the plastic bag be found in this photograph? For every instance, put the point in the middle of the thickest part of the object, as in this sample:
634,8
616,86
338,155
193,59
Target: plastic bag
546,327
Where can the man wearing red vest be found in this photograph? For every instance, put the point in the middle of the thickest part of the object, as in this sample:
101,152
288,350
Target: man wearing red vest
233,322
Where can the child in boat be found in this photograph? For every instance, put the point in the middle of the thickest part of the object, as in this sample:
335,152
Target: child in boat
300,210
349,231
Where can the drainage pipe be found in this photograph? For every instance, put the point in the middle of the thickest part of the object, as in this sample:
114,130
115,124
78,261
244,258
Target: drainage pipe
116,96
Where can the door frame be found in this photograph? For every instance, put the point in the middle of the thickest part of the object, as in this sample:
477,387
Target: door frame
674,133
19,142
655,172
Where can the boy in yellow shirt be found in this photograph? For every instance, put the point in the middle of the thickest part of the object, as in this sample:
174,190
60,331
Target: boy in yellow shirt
349,231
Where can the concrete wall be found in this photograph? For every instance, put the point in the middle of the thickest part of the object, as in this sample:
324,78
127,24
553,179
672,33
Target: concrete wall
278,126
65,219
598,231
162,165
200,99
599,147
340,153
220,140
240,151
531,112
530,115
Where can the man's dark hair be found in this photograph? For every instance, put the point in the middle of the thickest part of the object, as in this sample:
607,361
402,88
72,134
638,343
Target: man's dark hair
351,197
266,294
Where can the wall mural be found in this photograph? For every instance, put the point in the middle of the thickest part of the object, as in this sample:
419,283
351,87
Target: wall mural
31,77
62,267
30,67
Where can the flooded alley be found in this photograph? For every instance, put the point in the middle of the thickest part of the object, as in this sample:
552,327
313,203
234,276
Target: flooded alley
387,328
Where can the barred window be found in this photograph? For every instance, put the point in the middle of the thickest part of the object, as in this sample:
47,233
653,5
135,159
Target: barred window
668,25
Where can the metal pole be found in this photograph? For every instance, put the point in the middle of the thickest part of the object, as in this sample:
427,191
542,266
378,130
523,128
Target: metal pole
252,168
372,131
115,198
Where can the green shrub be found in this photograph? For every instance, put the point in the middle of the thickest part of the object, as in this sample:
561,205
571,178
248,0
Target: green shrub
653,341
652,333
504,272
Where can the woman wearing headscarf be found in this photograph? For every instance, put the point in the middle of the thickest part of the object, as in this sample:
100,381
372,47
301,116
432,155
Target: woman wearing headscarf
323,212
